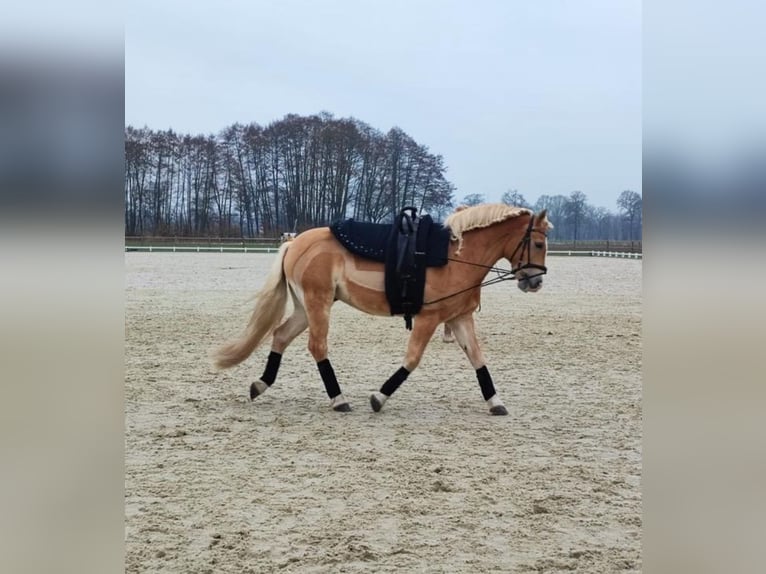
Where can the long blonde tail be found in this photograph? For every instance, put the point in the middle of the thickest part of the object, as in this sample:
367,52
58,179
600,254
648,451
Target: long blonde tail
270,304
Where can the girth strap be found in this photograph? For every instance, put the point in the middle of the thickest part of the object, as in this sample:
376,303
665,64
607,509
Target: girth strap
406,267
406,264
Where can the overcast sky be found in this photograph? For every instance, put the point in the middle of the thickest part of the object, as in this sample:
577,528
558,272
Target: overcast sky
541,96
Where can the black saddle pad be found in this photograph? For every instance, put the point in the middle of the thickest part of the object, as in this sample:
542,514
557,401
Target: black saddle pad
374,240
368,240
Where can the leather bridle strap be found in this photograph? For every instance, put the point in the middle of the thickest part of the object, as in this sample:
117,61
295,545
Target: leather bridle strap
525,246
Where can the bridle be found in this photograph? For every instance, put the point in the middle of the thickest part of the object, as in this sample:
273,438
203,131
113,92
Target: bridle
505,274
524,245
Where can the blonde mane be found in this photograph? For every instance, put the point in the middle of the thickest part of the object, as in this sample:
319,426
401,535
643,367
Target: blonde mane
480,216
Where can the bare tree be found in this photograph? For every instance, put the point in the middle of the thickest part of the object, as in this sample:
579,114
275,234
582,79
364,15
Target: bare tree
575,211
513,197
473,199
630,204
555,205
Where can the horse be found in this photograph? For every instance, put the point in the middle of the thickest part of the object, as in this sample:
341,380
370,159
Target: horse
315,270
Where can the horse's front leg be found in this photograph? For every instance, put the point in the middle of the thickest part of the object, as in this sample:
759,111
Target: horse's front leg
422,331
465,332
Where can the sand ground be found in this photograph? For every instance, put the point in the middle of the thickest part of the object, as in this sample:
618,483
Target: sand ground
433,483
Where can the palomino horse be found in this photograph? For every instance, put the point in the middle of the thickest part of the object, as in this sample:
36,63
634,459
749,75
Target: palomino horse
316,270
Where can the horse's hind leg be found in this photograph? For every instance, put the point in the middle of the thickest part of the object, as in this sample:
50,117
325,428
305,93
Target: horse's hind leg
465,332
283,336
318,306
419,338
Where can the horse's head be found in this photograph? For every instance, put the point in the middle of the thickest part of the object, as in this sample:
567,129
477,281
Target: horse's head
528,255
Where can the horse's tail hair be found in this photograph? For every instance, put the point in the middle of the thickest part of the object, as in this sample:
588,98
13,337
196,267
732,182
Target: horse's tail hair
270,304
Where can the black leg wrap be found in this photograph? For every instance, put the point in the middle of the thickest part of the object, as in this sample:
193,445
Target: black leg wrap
328,378
390,386
485,382
272,366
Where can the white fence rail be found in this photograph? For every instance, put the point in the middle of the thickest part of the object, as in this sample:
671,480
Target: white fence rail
241,249
200,248
619,254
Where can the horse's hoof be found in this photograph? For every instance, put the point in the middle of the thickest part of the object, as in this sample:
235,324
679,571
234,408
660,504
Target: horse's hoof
498,410
342,408
258,388
375,403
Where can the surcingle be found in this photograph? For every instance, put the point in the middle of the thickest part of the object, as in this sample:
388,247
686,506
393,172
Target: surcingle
407,248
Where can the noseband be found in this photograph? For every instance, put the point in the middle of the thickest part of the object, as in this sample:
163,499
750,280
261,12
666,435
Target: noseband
525,246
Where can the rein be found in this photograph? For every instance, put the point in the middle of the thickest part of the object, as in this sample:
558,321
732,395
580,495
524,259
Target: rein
502,274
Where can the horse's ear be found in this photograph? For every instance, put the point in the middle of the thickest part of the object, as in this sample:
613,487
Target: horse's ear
542,218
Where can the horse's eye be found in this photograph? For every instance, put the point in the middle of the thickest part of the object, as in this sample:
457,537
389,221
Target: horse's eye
539,244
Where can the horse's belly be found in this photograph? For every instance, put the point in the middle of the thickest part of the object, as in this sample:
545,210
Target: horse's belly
362,285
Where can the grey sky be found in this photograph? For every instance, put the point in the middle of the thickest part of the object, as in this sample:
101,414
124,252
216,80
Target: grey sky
542,96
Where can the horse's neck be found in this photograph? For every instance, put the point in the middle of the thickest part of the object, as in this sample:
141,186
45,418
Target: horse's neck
485,246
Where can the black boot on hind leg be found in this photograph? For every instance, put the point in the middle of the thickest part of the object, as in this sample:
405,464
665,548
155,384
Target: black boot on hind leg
269,376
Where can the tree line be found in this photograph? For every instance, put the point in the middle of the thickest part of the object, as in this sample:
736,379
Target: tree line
306,171
296,173
575,219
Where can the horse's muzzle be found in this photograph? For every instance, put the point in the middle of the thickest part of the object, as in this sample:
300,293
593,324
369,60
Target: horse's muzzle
531,284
